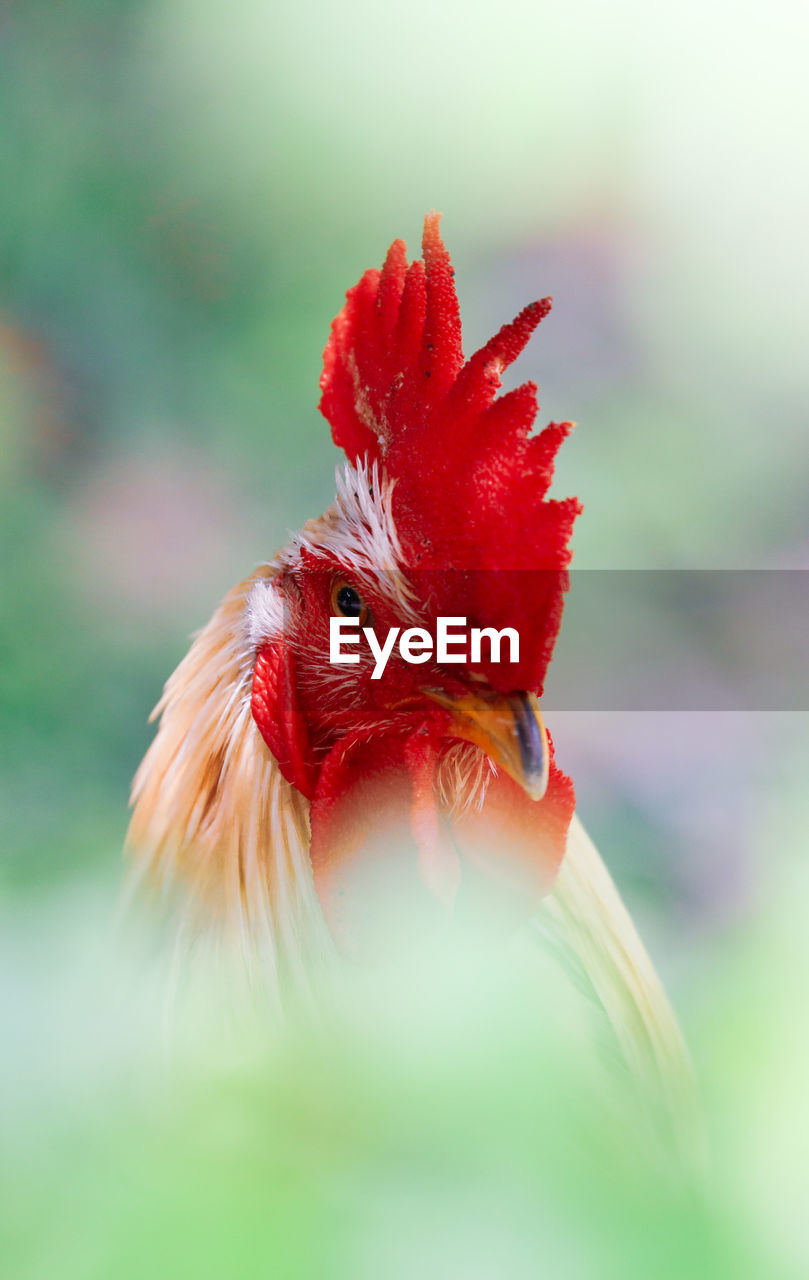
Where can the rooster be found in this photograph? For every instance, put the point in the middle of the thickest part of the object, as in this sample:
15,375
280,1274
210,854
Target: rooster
296,797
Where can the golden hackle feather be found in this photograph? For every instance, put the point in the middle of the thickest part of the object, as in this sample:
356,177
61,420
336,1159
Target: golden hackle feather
211,809
589,925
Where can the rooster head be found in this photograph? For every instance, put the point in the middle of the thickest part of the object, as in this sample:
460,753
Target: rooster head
428,775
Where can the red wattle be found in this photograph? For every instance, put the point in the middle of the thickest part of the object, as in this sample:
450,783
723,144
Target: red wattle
372,835
277,717
389,865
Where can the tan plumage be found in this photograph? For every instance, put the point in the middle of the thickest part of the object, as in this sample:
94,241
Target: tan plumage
586,916
212,810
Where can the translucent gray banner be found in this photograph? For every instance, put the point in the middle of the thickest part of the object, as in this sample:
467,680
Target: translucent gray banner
687,640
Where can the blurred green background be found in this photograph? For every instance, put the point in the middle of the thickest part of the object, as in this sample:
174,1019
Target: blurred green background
186,191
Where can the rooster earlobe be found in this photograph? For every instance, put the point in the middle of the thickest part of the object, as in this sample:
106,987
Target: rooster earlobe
278,717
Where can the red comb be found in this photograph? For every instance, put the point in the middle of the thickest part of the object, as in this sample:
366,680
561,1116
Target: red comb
471,481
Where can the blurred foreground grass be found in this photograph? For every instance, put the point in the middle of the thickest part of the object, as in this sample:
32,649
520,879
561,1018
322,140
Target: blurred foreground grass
449,1118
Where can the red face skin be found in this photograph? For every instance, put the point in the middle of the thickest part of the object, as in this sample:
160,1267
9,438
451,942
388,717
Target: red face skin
340,700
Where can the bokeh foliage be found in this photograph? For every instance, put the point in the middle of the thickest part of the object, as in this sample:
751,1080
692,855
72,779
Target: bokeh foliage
186,189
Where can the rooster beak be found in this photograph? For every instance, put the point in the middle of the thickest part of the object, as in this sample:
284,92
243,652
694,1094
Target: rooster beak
508,727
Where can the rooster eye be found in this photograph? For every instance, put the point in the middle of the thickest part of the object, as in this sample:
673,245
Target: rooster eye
348,601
